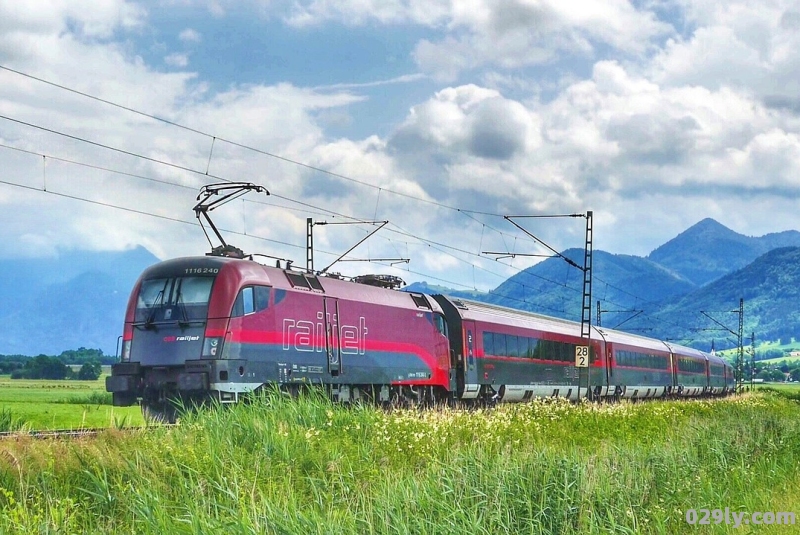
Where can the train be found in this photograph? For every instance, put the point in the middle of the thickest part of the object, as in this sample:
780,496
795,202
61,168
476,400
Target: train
214,327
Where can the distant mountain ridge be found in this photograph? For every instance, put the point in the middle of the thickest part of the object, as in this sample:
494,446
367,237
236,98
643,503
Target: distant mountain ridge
709,250
75,300
770,287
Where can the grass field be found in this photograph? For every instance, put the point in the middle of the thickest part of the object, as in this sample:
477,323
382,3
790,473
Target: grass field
790,361
62,404
784,387
286,466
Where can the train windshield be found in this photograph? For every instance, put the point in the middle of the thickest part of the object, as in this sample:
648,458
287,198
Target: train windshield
173,299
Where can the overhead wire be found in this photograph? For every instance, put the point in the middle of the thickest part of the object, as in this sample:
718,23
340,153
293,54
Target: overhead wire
436,245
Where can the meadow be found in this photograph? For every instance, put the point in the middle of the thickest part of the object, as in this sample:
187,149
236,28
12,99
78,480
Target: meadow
38,404
285,466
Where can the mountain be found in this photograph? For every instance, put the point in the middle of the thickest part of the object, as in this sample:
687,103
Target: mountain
708,250
554,287
74,300
432,289
770,287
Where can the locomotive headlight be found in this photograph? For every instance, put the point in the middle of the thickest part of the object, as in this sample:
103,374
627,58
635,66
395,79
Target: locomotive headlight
125,356
212,347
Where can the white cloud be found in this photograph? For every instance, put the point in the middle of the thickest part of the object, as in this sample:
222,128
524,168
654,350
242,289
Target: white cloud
85,18
752,47
469,119
190,35
177,60
356,12
505,33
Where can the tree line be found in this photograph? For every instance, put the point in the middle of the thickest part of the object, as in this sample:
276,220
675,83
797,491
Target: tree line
56,367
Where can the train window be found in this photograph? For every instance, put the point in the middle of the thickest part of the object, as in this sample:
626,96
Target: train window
249,305
420,301
500,344
244,303
297,280
441,326
566,352
251,299
261,297
686,364
152,293
488,343
549,350
190,294
280,295
193,290
509,345
532,342
512,347
541,350
315,283
558,351
523,346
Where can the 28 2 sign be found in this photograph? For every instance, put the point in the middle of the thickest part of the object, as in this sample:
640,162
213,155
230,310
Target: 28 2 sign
582,356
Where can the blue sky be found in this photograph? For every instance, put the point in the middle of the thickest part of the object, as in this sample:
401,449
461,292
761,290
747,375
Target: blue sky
440,116
242,47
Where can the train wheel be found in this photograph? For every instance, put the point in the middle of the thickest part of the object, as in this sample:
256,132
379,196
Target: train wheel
159,412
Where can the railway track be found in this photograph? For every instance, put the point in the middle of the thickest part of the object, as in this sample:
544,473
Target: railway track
56,434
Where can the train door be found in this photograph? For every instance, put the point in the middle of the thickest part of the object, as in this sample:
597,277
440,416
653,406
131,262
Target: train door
333,350
471,385
673,364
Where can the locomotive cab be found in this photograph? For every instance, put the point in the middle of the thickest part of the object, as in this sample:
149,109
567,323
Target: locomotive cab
174,331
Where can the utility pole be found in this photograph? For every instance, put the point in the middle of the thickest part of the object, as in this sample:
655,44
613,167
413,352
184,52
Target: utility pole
741,343
598,321
582,352
752,358
738,369
310,223
586,310
310,245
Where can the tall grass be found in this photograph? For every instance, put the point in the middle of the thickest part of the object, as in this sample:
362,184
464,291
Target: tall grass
92,398
279,465
10,422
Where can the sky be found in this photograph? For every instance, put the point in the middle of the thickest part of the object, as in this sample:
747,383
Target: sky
439,116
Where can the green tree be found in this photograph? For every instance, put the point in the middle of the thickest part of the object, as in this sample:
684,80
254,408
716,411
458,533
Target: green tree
83,355
90,371
43,367
795,374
